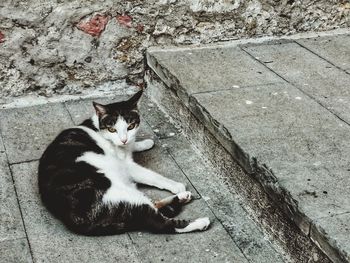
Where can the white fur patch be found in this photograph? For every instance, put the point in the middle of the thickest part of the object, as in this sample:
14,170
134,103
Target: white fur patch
114,164
199,224
117,165
184,197
95,121
122,187
121,135
143,145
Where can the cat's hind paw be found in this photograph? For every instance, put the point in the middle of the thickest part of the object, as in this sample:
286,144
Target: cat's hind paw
199,224
178,188
184,197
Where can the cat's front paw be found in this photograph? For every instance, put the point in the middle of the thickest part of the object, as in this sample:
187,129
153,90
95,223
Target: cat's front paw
147,144
178,188
143,145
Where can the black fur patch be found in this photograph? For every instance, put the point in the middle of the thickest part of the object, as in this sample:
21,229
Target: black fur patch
89,124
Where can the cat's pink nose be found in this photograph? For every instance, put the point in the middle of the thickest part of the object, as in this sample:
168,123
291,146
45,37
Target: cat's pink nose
124,141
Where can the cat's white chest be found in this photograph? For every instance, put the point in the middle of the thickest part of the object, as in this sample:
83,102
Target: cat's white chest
115,164
110,165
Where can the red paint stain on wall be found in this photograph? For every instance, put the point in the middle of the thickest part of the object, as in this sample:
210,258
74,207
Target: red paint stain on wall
124,20
94,26
2,37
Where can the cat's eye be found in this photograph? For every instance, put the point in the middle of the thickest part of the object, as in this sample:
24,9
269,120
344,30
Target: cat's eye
111,129
131,126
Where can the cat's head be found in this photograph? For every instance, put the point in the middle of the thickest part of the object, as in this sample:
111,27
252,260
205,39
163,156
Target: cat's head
118,122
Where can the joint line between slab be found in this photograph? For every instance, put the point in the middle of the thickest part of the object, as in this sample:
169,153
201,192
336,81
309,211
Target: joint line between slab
216,217
69,114
18,203
310,98
134,247
301,45
26,161
295,86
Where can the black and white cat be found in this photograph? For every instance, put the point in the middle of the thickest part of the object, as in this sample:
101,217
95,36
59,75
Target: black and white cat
87,178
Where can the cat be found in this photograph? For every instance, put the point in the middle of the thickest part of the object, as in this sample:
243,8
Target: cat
88,179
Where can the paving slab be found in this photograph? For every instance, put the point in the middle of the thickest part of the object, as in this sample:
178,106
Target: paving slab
11,226
297,246
50,241
288,137
191,68
313,75
293,129
160,124
224,202
333,232
214,245
15,251
335,49
26,131
303,146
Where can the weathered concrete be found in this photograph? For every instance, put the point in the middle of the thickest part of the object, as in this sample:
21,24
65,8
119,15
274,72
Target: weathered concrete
233,236
11,226
261,208
298,144
15,250
224,202
310,73
26,131
238,68
214,245
334,49
65,47
333,232
301,142
13,242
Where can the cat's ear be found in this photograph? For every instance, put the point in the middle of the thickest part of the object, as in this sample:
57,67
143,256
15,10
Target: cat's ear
100,109
133,101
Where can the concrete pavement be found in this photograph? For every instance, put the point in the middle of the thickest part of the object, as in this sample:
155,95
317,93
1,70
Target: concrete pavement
29,233
281,110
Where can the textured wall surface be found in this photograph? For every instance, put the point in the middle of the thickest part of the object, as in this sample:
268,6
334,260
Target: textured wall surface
65,47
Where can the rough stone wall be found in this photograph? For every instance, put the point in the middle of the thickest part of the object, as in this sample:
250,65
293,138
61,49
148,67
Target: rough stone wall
65,47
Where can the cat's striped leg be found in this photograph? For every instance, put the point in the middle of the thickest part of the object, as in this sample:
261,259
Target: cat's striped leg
145,176
171,206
